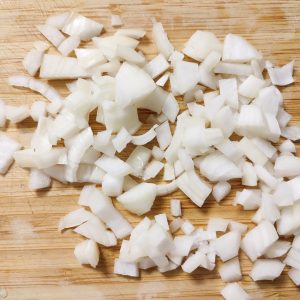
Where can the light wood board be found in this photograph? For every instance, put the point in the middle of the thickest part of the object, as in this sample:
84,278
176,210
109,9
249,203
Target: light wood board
36,261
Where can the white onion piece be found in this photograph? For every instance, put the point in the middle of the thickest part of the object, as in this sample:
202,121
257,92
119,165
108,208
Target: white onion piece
296,242
68,45
212,106
112,185
187,227
103,143
17,114
287,146
283,117
294,274
38,180
265,176
266,269
7,147
236,226
230,271
292,259
139,199
163,79
283,195
161,40
116,21
171,108
200,44
232,291
89,173
152,169
287,166
145,138
231,150
41,45
165,189
216,167
126,93
237,49
121,140
74,219
134,33
83,27
175,225
265,146
221,190
38,110
163,135
130,55
51,33
116,117
138,159
61,67
233,69
289,221
157,153
87,252
249,174
251,86
157,66
291,132
257,241
38,86
182,245
162,220
2,113
195,261
252,151
89,58
58,21
101,206
227,246
278,249
282,76
169,172
95,230
32,61
249,199
126,268
175,207
217,224
113,165
228,89
194,187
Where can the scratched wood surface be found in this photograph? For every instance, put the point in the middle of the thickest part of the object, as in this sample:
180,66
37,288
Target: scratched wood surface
36,261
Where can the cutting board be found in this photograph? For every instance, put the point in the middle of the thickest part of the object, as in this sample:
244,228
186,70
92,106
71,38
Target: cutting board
36,261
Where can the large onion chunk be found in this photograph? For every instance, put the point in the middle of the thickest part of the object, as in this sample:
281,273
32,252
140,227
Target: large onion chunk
87,252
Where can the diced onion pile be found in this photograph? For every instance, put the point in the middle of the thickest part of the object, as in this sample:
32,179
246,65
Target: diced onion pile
231,129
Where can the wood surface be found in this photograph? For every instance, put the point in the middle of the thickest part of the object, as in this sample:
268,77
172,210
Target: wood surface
36,261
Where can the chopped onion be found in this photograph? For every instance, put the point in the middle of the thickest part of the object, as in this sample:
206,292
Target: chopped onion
162,220
200,44
194,187
139,199
17,114
51,33
217,224
79,25
161,40
7,147
112,185
152,169
237,49
38,110
221,190
227,246
38,180
278,249
58,21
163,135
74,219
138,159
134,33
282,76
175,207
165,189
32,61
163,79
157,153
294,274
287,166
266,269
130,55
232,291
257,241
126,268
171,108
229,90
157,66
87,252
121,140
187,227
195,261
230,271
113,165
68,45
116,21
144,138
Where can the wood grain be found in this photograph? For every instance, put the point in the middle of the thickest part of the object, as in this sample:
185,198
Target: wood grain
36,261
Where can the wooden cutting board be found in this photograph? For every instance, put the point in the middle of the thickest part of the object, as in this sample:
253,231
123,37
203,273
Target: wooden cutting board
36,261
